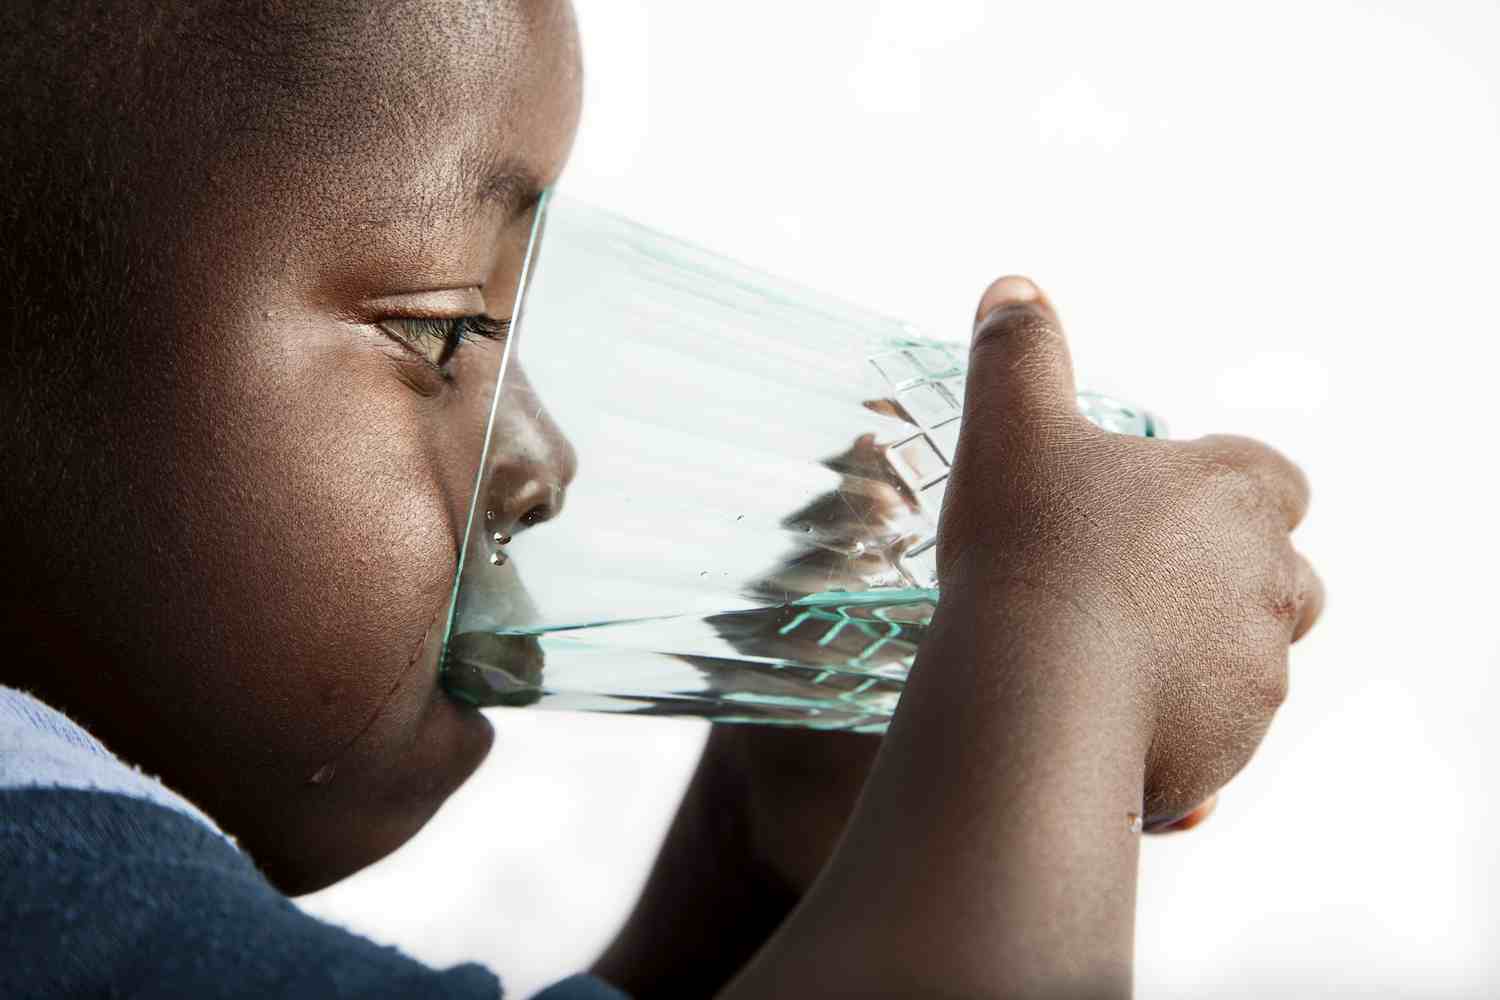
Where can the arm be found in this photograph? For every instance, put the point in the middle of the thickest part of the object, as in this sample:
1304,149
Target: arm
1111,643
991,853
708,903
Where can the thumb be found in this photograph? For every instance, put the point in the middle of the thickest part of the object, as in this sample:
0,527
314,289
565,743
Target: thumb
1019,369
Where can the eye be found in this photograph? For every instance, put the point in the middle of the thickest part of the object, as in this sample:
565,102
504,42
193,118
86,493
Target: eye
436,341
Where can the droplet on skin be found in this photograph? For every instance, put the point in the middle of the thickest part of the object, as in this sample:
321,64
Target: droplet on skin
1135,822
323,775
497,559
489,516
501,539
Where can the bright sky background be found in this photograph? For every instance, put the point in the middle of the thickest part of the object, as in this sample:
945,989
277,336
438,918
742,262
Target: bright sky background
1277,219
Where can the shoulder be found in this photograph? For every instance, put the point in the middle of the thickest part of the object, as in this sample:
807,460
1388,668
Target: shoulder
41,747
108,894
113,885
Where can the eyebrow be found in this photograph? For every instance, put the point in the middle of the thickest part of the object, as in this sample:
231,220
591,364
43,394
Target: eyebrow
511,187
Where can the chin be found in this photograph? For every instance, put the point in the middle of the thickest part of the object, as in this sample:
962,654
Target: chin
361,814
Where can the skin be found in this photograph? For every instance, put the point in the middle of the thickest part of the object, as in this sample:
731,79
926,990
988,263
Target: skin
244,587
296,480
1055,702
1085,666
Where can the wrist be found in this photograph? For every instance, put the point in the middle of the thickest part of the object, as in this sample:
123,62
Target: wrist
793,792
1037,650
993,849
707,905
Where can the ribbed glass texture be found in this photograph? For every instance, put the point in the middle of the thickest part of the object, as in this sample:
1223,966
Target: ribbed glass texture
748,535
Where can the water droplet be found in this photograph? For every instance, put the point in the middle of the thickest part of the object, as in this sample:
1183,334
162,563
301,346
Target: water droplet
1135,822
322,775
858,550
497,559
489,516
501,539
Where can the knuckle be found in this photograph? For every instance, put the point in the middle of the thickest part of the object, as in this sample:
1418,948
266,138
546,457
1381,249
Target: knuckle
1309,583
1285,607
1228,443
1264,644
1277,475
1273,686
1284,587
1286,472
1230,486
1000,332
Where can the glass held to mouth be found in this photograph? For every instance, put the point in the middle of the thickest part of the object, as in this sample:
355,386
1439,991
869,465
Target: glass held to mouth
704,491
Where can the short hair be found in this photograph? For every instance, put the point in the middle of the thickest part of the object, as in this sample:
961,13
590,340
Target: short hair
109,110
74,135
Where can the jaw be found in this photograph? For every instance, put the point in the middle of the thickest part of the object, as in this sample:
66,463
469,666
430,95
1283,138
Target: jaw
367,807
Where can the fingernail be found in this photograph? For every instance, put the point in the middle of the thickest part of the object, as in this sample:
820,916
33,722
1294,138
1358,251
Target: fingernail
1163,825
1187,820
1007,293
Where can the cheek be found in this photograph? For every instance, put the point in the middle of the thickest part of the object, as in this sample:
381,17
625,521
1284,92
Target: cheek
329,561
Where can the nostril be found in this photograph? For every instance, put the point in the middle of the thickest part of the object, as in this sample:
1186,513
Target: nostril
521,507
546,507
536,515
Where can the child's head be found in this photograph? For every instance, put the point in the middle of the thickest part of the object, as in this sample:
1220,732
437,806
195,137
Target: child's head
234,498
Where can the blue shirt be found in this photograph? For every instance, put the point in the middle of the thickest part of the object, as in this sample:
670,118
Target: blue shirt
111,885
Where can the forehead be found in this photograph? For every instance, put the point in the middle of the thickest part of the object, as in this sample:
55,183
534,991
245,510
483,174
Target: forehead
412,109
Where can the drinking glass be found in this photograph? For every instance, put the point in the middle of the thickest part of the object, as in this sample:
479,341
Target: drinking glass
704,491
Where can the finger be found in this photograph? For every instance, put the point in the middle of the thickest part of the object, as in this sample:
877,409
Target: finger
1019,368
1186,822
1310,598
1281,478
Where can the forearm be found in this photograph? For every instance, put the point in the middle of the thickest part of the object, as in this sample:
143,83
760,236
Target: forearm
991,853
706,906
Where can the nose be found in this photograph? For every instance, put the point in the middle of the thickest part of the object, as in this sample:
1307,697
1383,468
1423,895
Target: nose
533,501
530,467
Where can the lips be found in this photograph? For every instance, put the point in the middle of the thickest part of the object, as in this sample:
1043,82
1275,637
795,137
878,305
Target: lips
483,668
485,663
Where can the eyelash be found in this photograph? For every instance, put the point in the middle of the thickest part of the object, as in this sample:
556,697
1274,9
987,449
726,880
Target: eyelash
447,334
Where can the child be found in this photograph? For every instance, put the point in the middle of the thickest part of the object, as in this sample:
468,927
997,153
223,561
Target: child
253,258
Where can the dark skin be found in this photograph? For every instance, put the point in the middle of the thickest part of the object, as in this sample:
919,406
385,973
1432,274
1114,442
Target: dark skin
1198,680
298,486
1112,640
289,485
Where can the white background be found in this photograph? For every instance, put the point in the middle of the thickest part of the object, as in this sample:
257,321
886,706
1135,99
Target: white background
1277,219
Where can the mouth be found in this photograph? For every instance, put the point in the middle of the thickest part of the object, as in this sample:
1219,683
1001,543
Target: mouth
489,658
483,669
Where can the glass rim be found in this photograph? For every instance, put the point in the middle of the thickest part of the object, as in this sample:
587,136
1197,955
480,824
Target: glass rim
517,312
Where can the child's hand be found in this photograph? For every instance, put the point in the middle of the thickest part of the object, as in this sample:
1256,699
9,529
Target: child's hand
1176,554
1121,526
1111,641
1110,646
